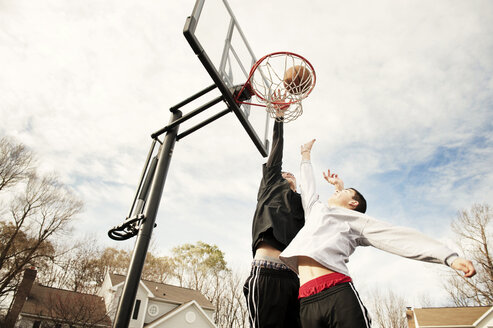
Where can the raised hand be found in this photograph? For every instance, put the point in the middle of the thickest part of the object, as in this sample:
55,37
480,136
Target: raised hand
279,109
306,149
334,179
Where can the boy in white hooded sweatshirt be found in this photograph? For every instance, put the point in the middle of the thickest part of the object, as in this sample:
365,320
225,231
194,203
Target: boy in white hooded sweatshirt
332,231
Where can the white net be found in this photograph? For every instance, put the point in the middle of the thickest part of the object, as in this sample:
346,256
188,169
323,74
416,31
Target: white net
289,112
281,81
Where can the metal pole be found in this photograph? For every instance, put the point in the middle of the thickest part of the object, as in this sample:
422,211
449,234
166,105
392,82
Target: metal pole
127,300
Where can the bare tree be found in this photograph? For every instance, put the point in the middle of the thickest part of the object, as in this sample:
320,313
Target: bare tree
18,250
116,260
426,300
42,210
158,268
388,309
35,209
231,308
195,265
202,267
474,231
76,267
56,273
16,163
81,267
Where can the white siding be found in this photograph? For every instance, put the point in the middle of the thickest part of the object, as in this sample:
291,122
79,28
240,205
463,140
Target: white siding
163,308
142,295
180,320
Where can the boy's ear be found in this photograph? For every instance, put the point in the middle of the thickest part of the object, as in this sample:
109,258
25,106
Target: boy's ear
353,204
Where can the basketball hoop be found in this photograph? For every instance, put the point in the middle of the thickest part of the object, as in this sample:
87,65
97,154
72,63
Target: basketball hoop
280,81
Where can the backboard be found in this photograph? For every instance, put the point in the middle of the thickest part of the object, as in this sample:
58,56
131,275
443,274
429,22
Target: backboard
216,38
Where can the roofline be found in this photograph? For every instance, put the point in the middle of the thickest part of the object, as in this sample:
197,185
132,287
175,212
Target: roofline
178,310
475,323
154,282
140,282
449,326
37,316
157,298
163,300
451,307
66,290
487,313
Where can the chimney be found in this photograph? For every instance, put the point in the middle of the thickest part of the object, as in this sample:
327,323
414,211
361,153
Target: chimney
20,297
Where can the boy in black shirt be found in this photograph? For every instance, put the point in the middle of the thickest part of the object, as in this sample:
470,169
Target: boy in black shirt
271,290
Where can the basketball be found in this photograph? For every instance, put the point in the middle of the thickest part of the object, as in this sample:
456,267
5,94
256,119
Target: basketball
297,79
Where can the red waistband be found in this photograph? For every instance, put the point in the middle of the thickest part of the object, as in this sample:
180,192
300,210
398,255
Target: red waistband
318,284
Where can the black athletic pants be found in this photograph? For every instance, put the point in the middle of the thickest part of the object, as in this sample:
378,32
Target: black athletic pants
272,298
334,307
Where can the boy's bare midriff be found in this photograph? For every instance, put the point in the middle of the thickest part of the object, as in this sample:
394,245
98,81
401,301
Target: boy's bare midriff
266,250
310,269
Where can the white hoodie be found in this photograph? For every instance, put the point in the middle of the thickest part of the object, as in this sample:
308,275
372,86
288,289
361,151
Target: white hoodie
331,234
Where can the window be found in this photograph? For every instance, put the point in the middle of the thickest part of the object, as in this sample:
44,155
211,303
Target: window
153,310
36,324
136,310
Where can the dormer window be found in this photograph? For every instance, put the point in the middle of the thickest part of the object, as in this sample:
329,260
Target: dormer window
136,310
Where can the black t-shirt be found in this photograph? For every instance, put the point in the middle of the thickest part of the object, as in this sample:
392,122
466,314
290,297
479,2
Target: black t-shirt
279,214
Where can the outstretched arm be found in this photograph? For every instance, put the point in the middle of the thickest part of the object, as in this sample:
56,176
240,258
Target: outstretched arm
275,157
334,179
307,180
272,169
412,244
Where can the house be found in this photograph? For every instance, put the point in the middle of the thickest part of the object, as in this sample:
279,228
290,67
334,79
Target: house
156,306
36,306
160,305
450,317
59,308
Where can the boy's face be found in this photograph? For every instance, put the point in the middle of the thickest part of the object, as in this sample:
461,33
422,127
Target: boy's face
290,178
343,198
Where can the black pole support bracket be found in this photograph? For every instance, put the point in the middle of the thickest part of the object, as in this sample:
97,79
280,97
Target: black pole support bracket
128,229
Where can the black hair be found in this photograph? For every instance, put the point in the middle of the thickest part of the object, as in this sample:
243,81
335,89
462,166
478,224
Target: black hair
361,201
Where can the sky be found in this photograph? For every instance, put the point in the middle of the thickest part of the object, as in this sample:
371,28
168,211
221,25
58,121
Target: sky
402,111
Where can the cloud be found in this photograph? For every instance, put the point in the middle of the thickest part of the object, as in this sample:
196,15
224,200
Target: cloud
402,110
